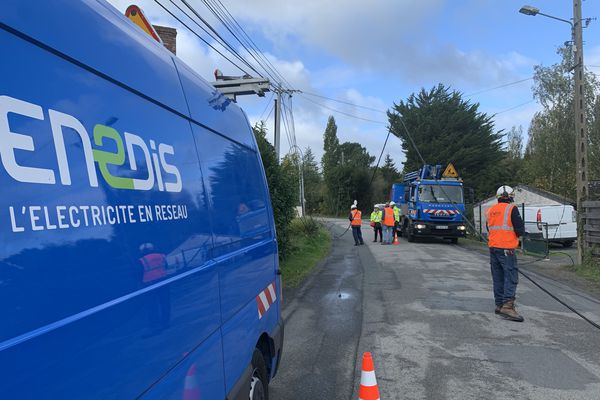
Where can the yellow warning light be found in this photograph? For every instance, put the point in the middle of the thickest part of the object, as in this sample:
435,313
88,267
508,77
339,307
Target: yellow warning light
136,15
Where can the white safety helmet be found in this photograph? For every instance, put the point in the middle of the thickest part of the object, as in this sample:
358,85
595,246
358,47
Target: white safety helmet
392,203
353,206
505,192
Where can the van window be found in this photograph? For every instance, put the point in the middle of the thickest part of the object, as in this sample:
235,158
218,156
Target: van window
236,188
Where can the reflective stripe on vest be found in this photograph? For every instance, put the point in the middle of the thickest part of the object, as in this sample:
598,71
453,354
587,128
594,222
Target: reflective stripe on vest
356,217
502,234
154,267
388,219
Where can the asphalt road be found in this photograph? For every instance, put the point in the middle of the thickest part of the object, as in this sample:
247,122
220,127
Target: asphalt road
425,312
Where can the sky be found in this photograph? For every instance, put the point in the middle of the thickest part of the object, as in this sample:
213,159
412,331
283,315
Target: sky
377,53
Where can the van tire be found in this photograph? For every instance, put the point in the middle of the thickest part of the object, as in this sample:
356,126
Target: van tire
259,384
454,240
567,243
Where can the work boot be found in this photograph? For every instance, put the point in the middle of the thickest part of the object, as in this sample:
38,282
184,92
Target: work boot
508,311
497,310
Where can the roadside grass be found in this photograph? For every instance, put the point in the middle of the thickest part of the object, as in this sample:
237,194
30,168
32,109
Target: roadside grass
310,242
589,270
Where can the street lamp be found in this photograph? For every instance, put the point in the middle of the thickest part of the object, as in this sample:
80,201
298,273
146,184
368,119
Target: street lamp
529,10
580,120
533,11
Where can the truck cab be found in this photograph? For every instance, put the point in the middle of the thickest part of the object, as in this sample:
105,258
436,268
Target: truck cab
432,204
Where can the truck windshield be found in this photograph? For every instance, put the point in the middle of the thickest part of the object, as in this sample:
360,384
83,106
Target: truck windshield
440,194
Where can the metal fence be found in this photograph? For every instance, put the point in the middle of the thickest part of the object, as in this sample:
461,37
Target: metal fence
591,226
536,243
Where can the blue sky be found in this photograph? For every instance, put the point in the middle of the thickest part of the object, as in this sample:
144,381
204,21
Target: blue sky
377,53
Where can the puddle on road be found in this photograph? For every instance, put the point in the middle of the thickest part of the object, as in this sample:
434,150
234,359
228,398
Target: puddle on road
339,296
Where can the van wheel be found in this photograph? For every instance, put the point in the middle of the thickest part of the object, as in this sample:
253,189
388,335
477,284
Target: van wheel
259,389
454,240
567,243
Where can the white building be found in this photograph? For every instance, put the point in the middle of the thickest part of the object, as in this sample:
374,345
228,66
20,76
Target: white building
524,195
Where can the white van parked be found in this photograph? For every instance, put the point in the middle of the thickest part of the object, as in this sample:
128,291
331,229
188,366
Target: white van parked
561,221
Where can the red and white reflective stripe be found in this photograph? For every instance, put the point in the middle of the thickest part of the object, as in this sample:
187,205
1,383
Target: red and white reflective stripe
439,212
265,299
369,389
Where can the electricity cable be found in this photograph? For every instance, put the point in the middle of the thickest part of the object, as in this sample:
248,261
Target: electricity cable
343,102
594,324
253,44
499,86
219,39
342,112
200,37
219,15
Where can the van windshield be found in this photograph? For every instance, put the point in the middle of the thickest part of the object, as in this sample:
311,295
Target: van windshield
440,194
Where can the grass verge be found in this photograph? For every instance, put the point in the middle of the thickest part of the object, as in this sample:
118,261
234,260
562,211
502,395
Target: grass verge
589,270
310,242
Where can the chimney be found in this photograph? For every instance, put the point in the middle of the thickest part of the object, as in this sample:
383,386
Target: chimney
168,36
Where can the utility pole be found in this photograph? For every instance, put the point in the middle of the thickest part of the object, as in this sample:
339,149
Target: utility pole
580,128
277,123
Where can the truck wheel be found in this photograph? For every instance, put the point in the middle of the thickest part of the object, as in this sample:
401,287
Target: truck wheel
259,385
409,235
454,240
567,243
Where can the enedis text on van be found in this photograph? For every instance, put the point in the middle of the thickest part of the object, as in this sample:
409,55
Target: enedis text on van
40,217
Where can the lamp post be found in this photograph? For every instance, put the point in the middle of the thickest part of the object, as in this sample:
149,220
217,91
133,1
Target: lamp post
581,141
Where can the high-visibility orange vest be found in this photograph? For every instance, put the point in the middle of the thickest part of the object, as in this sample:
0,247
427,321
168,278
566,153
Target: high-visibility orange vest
155,267
356,217
501,232
388,216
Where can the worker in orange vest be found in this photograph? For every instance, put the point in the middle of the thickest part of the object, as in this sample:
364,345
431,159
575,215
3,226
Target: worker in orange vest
355,218
505,226
389,222
158,300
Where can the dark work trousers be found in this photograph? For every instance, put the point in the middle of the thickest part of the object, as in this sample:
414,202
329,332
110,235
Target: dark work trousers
505,274
357,233
377,229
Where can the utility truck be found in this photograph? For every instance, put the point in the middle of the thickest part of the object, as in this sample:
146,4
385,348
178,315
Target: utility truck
432,203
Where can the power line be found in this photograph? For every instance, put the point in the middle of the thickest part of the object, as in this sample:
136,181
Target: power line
268,104
514,107
252,44
500,86
344,102
222,17
200,37
220,39
342,112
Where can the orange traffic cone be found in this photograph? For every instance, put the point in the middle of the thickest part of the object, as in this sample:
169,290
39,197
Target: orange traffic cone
368,383
396,241
191,390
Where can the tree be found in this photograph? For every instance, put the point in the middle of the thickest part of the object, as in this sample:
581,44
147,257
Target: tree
514,143
354,175
446,128
550,151
313,182
282,188
330,161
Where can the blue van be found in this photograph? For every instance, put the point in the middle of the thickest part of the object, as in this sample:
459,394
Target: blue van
137,245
